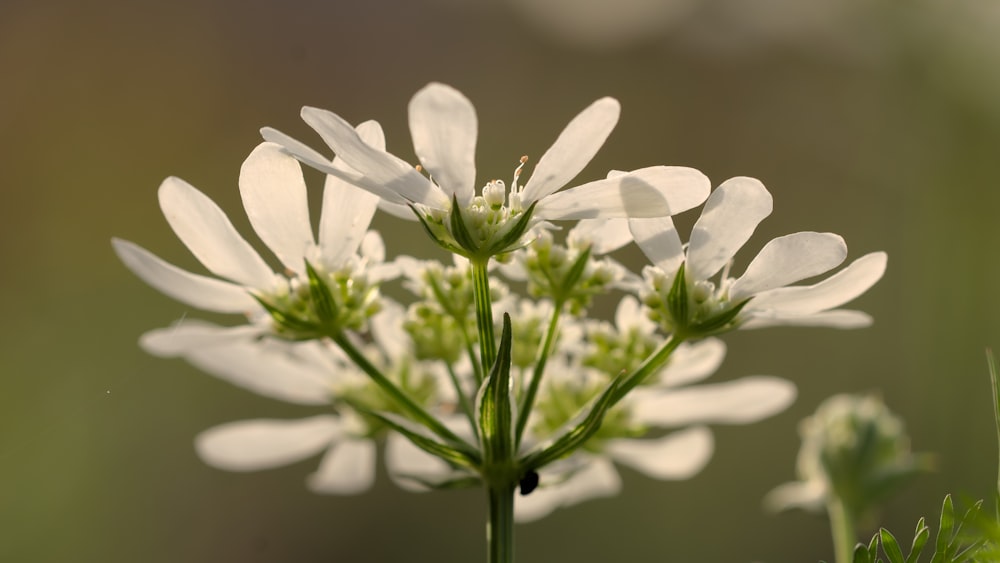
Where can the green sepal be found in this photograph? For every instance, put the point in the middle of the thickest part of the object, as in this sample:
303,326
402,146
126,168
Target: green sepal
873,549
861,554
513,234
430,232
677,298
302,329
719,321
494,417
459,457
458,229
891,547
323,302
572,439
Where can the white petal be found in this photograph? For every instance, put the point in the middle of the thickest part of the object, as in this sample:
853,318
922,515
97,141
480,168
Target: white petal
262,367
202,292
742,401
598,478
381,172
807,495
693,362
347,209
573,150
658,240
788,259
191,334
397,210
678,455
207,232
836,318
347,468
656,191
834,291
275,199
603,235
730,216
444,129
410,467
252,445
388,332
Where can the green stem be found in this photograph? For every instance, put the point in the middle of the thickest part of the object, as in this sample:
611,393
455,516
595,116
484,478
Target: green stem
484,313
500,528
995,392
842,528
649,366
463,399
396,394
528,400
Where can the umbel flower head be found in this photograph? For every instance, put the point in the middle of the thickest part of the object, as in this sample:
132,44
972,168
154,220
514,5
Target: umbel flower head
500,218
683,297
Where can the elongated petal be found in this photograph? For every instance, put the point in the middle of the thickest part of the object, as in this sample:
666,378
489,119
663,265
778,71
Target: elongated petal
837,318
275,199
834,291
189,335
261,367
444,129
807,495
348,468
603,235
678,455
658,240
730,216
205,293
598,478
347,210
252,445
656,191
693,362
742,401
209,235
573,150
380,169
788,259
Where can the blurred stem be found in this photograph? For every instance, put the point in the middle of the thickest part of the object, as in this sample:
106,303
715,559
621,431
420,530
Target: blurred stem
536,376
991,361
484,313
500,529
842,528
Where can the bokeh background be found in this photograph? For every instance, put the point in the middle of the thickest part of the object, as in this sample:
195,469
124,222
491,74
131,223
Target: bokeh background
877,119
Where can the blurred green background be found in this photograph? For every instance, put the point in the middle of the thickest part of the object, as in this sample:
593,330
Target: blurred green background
878,120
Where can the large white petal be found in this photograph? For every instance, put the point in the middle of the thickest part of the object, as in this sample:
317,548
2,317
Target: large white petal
658,240
185,336
264,368
678,455
209,235
788,259
444,129
252,445
807,495
347,210
656,191
742,401
573,150
598,478
348,468
836,318
693,362
206,293
275,199
603,235
387,173
730,216
410,467
834,291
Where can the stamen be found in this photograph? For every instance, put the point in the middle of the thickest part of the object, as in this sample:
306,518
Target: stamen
517,174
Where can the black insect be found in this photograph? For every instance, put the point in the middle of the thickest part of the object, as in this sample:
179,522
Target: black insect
529,482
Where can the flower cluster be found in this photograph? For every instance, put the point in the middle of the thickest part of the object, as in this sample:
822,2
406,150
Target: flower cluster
468,382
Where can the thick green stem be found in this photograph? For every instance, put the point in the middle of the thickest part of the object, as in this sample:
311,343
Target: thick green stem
500,528
842,528
528,400
396,394
484,313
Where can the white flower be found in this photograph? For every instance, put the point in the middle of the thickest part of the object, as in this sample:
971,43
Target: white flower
729,217
275,199
667,402
444,128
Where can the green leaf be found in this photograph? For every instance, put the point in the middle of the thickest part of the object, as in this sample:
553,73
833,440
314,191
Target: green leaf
891,547
677,299
430,232
495,417
323,301
719,321
861,554
920,537
458,229
945,529
514,233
